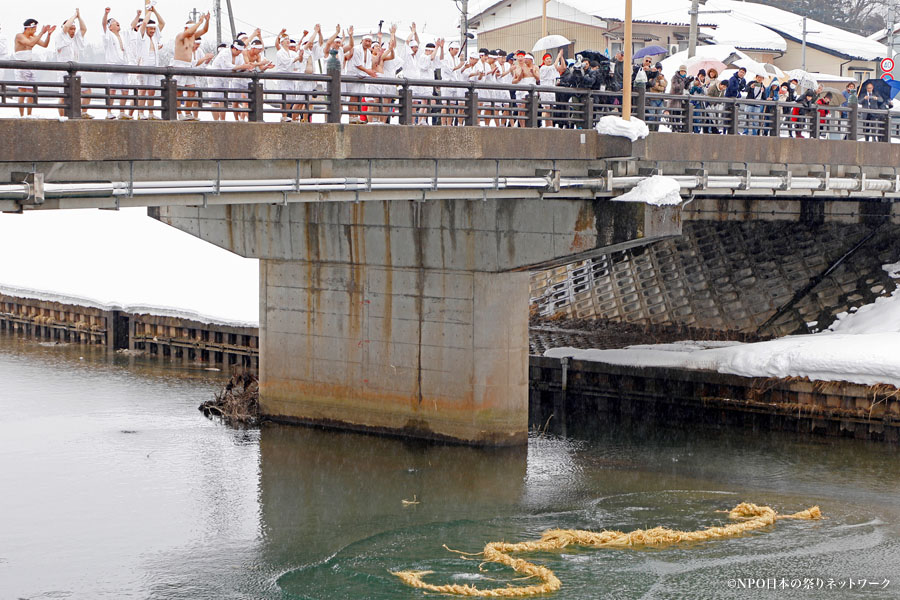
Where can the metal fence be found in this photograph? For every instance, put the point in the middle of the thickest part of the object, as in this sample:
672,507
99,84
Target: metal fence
170,93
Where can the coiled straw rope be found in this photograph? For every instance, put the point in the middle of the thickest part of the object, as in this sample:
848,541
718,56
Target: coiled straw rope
752,517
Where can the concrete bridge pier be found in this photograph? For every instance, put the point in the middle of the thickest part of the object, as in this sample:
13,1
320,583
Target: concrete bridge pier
408,317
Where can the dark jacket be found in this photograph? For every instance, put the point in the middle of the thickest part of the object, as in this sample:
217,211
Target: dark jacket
736,85
755,92
619,72
870,101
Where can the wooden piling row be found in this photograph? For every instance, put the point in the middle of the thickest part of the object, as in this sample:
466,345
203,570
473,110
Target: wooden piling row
167,338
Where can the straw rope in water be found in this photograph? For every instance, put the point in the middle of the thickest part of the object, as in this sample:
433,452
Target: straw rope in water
752,517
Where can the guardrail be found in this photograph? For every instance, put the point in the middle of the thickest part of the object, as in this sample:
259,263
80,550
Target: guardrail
171,93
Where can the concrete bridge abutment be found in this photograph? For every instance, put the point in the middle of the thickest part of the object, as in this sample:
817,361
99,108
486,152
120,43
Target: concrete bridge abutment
408,317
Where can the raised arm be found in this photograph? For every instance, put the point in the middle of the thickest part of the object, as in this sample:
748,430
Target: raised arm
281,34
147,12
105,18
349,47
560,63
414,34
42,42
81,25
137,18
203,29
160,22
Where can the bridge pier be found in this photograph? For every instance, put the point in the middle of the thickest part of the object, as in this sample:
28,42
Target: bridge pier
423,352
408,317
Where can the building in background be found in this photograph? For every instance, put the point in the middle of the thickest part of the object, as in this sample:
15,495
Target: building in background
590,24
766,33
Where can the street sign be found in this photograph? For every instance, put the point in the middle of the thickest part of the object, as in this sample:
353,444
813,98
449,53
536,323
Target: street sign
887,64
887,77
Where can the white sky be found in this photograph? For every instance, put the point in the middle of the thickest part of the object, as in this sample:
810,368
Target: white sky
439,17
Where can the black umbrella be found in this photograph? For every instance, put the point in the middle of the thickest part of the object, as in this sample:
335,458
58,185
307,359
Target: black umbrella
882,89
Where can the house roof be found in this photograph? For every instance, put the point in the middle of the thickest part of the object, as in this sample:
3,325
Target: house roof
740,33
662,12
820,36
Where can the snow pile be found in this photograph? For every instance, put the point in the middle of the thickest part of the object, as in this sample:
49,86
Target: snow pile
657,190
634,129
863,347
125,258
893,270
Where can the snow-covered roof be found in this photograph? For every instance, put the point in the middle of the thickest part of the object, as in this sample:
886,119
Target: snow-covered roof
825,37
742,34
879,35
662,12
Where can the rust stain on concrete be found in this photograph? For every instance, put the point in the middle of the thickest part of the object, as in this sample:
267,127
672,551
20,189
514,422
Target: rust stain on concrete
585,229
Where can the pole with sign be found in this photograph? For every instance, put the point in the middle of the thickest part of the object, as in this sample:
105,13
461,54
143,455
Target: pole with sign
626,71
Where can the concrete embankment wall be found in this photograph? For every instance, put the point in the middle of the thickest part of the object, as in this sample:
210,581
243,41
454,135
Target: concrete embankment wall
165,337
576,394
729,276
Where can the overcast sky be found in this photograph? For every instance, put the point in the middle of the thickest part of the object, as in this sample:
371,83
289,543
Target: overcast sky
438,16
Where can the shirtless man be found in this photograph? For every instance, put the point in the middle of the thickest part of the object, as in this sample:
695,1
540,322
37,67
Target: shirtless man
184,56
24,44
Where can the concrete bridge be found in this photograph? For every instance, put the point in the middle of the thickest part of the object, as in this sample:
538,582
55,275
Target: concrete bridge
394,287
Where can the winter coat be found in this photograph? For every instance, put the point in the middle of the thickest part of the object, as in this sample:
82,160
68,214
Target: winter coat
850,99
658,85
755,92
713,90
736,85
676,88
870,101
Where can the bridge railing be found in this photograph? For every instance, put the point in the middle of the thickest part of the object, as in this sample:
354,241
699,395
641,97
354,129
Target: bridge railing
172,93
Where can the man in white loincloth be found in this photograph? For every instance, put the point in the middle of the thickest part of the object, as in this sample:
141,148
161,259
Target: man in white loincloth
69,45
184,59
115,52
23,50
148,56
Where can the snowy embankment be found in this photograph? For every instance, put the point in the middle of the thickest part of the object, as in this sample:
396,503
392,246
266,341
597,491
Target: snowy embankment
861,347
125,260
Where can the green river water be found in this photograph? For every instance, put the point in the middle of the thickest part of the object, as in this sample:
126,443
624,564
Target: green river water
115,486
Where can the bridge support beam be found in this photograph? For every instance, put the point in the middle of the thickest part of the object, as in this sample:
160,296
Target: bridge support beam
409,317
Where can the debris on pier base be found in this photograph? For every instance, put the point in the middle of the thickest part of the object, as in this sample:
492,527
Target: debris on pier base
749,517
238,403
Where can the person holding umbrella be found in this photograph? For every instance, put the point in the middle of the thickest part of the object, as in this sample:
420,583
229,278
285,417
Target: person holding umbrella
872,101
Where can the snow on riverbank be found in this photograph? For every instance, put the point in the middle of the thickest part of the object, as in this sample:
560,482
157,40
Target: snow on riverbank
862,347
125,259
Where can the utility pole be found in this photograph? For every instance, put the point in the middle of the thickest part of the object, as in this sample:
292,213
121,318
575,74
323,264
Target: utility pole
805,33
231,19
692,44
464,26
194,15
218,10
544,17
626,71
892,17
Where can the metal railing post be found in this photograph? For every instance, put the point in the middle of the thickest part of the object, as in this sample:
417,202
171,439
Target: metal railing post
334,88
471,106
72,86
406,104
734,126
817,124
688,116
588,116
641,104
533,102
887,127
853,134
256,101
776,120
169,98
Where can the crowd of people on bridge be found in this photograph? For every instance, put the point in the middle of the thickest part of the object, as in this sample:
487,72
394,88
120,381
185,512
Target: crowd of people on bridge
136,40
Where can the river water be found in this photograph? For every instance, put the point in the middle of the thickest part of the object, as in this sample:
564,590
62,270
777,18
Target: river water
115,486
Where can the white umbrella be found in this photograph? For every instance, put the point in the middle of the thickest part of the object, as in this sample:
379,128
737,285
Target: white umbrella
807,81
551,41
